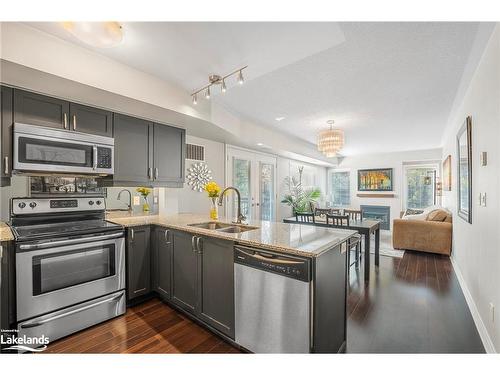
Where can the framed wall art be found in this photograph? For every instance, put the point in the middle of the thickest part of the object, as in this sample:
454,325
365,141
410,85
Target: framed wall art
375,179
464,170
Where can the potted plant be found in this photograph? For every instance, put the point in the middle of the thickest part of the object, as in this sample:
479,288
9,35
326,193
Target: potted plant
298,198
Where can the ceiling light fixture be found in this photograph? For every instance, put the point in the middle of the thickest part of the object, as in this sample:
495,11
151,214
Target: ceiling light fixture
330,141
96,34
281,118
195,99
216,79
240,77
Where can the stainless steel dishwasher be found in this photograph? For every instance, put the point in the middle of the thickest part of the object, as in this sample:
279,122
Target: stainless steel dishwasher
272,301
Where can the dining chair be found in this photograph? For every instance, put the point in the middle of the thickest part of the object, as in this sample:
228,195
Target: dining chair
354,214
322,212
305,217
354,241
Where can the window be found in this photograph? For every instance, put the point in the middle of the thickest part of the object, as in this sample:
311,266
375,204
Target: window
340,189
420,189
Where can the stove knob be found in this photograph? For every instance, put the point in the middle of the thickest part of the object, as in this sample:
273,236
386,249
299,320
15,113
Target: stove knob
91,203
21,205
98,202
33,204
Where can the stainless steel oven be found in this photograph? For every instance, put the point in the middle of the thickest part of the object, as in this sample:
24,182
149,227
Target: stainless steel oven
53,274
41,149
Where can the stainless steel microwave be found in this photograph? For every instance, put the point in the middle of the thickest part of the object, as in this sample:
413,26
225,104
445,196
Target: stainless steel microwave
38,149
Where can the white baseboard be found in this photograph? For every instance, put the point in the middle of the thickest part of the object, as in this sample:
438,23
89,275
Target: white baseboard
481,328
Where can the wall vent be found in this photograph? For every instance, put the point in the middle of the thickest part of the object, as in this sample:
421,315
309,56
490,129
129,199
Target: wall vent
195,152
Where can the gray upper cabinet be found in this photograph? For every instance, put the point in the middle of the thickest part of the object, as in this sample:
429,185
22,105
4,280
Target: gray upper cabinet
36,109
184,271
6,117
133,156
169,154
216,284
138,262
91,120
162,262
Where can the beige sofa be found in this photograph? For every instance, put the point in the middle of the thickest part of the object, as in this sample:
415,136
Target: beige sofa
431,234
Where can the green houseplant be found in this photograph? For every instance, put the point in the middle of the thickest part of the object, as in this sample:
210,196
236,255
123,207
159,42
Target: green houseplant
299,198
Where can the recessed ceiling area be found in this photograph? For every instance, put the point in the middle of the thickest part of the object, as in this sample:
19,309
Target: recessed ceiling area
389,86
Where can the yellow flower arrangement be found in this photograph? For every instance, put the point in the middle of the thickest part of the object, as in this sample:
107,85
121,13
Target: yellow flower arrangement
212,189
144,191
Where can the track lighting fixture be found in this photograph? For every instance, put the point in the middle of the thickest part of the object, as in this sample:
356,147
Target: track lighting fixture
216,79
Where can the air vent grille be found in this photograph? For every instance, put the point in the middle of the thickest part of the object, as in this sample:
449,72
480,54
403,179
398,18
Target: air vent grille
195,152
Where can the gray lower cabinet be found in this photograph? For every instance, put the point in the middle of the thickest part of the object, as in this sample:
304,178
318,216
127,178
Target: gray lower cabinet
161,263
91,120
216,284
138,262
6,121
184,271
36,109
202,276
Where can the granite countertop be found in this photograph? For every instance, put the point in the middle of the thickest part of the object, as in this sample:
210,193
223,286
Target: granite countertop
296,239
5,232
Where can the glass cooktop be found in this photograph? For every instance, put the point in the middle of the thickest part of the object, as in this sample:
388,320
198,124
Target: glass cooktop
39,231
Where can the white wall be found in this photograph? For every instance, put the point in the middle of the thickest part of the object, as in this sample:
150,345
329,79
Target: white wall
476,246
392,160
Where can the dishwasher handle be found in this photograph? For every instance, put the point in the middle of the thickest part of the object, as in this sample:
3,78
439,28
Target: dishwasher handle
289,266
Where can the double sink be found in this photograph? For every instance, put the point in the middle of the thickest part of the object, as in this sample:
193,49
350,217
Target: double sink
223,227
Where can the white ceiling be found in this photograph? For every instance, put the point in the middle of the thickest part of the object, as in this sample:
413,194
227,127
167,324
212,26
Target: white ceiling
390,86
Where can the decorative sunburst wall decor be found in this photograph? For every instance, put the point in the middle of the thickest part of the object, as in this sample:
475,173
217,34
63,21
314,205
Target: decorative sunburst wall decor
198,176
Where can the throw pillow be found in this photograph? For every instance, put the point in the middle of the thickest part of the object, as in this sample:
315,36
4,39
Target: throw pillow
437,215
411,211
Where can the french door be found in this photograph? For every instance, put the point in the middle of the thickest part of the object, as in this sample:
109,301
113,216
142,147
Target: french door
254,175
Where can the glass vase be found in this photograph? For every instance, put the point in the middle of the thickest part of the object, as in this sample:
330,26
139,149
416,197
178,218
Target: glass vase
214,209
145,206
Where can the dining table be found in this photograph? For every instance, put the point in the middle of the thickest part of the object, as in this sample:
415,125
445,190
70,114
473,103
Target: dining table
364,227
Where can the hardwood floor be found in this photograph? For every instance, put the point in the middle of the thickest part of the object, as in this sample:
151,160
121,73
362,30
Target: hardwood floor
151,327
411,305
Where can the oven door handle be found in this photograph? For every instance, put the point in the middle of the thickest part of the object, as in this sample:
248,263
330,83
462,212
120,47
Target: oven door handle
45,245
40,322
94,149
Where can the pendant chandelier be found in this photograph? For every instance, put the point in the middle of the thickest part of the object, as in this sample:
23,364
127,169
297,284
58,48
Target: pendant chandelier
330,141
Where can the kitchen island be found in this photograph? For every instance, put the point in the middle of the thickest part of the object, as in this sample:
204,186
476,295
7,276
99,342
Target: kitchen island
264,286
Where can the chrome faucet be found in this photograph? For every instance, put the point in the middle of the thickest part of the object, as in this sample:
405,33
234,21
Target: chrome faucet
129,198
241,217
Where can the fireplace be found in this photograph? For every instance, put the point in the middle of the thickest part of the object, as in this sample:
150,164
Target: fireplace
382,213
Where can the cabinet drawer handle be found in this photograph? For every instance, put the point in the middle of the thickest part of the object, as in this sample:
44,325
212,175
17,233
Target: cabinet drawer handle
199,245
156,173
193,243
166,237
150,173
6,165
131,234
139,290
74,122
65,120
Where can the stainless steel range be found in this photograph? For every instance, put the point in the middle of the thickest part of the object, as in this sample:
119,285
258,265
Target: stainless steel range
70,265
